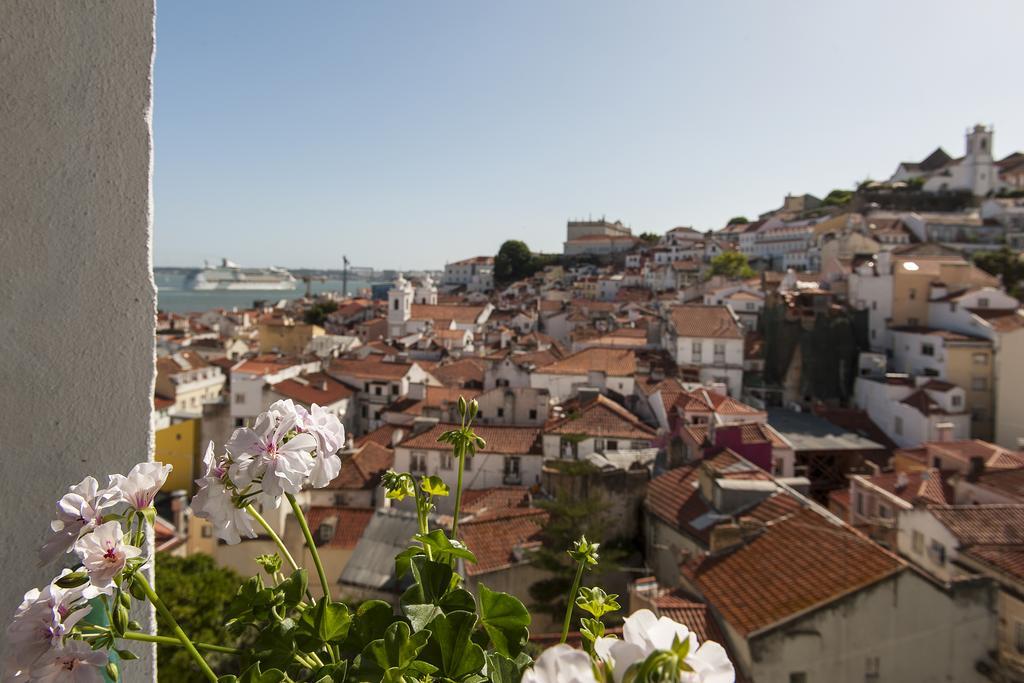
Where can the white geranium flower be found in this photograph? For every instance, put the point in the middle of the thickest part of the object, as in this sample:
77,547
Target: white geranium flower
214,501
41,622
324,426
104,554
644,633
261,453
76,662
561,664
140,487
78,511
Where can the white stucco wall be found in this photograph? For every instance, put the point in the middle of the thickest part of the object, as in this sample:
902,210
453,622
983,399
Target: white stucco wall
75,264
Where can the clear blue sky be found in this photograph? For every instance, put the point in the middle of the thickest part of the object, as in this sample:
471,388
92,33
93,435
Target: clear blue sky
406,134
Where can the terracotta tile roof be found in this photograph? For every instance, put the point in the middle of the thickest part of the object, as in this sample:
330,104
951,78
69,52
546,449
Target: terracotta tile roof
482,503
349,524
372,367
605,418
994,457
505,440
316,387
928,486
704,400
983,524
945,335
801,559
266,364
1008,559
181,361
674,499
1001,320
1009,482
494,539
161,403
460,314
613,362
436,398
362,469
381,436
461,372
923,403
679,606
694,320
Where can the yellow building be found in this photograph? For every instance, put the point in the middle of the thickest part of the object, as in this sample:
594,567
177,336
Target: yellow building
286,335
178,446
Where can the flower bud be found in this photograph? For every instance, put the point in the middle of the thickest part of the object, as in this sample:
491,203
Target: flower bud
112,672
474,408
462,406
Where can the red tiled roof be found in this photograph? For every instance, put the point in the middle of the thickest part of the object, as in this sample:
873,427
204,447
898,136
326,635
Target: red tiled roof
363,468
613,362
925,485
800,559
694,320
1008,559
923,403
460,314
494,501
316,387
349,524
460,373
994,457
266,364
678,606
161,403
494,539
1009,482
381,436
500,439
605,418
373,367
983,524
1001,320
703,400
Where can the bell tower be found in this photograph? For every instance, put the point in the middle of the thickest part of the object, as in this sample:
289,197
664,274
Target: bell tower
400,298
980,166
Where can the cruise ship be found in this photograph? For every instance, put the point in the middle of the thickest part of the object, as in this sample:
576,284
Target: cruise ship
230,275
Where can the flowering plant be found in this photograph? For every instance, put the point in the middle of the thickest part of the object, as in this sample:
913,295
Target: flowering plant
441,631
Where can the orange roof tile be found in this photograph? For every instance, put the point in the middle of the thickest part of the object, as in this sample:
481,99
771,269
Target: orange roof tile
460,314
494,539
694,320
605,418
316,387
373,367
362,469
460,373
349,524
500,439
613,362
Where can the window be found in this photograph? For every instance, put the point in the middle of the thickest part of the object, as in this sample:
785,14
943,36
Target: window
980,358
979,384
983,302
208,533
750,306
418,461
239,397
376,390
912,293
501,412
874,305
611,445
860,503
239,422
937,462
928,349
533,414
798,677
396,304
719,352
362,411
446,461
912,322
917,542
884,512
956,400
394,389
872,669
696,350
1019,636
897,424
512,466
937,553
469,463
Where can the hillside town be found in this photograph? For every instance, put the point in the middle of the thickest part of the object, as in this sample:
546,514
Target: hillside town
799,433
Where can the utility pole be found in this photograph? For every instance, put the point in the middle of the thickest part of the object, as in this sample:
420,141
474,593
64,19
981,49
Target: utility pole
344,275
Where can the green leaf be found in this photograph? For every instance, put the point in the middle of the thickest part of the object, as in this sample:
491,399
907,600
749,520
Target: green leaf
435,486
331,620
420,616
369,623
254,675
458,599
444,548
294,587
501,669
505,619
451,647
432,580
397,649
596,601
330,673
403,558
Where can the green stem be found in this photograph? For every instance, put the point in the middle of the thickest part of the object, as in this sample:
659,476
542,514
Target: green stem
312,546
273,535
421,516
572,602
182,638
461,457
167,640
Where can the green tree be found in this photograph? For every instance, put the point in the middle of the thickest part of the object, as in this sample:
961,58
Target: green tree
513,262
737,220
1006,264
570,519
838,198
198,591
650,237
731,264
317,313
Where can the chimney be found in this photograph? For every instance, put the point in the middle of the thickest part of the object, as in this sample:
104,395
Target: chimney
901,481
977,468
945,431
725,535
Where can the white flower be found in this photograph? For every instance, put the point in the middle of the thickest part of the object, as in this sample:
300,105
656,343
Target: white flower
644,633
324,426
75,663
141,485
79,511
261,453
561,664
104,554
41,622
214,501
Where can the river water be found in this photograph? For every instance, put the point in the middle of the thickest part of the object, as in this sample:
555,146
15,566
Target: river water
172,297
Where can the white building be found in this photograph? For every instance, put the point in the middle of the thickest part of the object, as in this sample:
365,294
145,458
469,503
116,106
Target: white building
975,172
477,274
604,369
744,301
251,380
710,339
912,412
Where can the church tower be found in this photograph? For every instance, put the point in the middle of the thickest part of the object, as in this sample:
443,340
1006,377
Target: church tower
400,298
982,175
426,292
